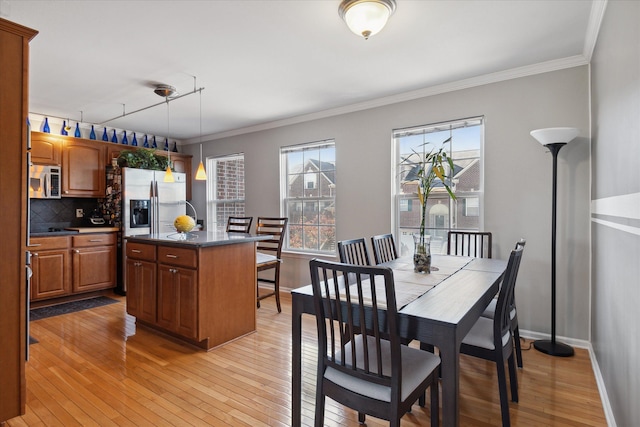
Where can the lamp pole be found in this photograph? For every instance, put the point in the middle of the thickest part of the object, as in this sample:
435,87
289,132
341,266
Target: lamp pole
552,347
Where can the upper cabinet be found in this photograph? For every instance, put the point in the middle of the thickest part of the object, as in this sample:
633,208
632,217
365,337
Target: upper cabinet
46,149
83,168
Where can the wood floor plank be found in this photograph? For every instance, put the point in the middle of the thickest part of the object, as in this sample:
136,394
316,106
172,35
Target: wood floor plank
96,367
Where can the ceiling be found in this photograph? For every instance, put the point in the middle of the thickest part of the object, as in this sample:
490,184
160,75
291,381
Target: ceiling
270,62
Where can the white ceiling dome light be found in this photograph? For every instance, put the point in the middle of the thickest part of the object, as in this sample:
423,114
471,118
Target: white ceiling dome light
366,17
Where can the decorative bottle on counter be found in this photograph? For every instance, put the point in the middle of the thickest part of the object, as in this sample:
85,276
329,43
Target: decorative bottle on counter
92,135
145,144
105,137
134,142
63,131
77,133
114,138
125,141
46,128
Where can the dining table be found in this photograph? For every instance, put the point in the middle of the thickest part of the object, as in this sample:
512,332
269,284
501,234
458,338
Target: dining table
437,308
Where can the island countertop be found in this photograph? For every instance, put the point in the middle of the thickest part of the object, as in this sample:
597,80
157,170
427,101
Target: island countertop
197,238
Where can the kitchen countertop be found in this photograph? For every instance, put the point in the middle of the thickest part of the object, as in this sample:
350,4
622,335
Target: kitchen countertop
197,238
93,229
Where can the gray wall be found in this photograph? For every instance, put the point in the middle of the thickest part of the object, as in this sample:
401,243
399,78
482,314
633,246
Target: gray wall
615,229
517,180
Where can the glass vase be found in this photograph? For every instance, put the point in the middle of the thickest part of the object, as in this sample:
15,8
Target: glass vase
92,134
77,132
422,253
46,128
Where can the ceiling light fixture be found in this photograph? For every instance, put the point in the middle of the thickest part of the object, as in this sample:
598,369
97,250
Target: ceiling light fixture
366,17
164,91
201,174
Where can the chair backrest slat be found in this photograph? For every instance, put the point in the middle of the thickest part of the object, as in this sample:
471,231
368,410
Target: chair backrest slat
384,248
469,243
353,251
239,224
275,227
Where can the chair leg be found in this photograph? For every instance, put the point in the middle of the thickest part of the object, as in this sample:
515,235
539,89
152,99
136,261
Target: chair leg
361,417
319,416
277,287
516,337
435,401
502,388
513,378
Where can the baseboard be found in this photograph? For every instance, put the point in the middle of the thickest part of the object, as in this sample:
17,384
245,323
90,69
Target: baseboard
604,397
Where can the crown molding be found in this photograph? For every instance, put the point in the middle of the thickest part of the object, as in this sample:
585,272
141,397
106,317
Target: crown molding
593,27
514,73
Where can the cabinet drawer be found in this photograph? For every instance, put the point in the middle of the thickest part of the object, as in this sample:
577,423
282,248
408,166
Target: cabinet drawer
177,256
46,243
98,239
141,251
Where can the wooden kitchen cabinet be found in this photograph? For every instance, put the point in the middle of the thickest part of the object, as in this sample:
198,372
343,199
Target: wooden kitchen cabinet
83,168
46,149
181,163
140,273
178,300
14,108
94,262
50,263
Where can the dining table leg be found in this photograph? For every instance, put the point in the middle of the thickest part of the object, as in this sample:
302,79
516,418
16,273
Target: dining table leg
296,363
450,373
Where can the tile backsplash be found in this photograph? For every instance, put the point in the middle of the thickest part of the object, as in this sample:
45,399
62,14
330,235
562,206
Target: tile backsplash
59,213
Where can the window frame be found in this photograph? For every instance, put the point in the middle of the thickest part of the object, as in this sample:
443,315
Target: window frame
320,200
440,197
212,184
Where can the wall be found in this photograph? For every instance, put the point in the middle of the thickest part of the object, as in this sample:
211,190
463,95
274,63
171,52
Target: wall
615,86
517,180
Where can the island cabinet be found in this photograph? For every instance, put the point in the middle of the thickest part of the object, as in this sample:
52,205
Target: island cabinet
201,294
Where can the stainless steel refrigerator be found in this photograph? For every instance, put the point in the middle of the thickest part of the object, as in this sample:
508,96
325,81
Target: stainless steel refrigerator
150,205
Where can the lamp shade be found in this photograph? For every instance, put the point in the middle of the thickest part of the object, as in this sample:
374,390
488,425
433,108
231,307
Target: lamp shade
366,17
553,135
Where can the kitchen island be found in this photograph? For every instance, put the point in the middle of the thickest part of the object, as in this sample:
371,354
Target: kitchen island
199,287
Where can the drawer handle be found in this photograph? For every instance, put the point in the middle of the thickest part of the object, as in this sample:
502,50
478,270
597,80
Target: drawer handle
95,240
77,251
33,245
173,270
171,256
34,254
136,251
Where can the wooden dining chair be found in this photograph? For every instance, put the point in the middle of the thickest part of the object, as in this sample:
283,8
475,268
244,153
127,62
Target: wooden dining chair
361,361
469,243
239,224
491,339
489,312
268,256
384,248
353,251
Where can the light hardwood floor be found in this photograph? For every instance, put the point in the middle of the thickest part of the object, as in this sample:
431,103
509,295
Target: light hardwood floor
95,368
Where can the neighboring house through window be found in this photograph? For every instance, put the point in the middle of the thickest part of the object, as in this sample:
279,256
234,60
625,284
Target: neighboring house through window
443,214
225,189
308,189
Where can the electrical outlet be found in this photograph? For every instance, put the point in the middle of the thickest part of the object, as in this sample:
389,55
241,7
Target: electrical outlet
79,213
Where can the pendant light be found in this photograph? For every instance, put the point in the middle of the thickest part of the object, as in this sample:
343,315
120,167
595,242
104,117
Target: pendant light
168,175
201,174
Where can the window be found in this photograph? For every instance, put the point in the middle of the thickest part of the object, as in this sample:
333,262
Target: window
225,189
308,191
443,214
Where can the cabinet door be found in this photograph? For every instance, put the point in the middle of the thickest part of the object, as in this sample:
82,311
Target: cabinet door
83,171
141,291
94,268
50,274
177,300
45,149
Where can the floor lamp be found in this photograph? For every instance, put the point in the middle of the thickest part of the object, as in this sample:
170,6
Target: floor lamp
554,139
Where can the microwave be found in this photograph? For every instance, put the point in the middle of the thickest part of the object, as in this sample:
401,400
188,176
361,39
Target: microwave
44,182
